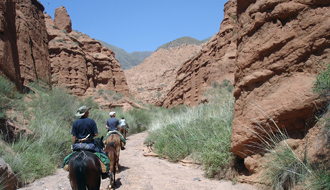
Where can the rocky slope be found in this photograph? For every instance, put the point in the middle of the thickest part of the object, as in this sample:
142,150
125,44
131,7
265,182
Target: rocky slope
214,63
79,62
151,80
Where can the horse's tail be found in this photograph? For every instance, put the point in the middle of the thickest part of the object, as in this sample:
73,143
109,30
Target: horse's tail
79,169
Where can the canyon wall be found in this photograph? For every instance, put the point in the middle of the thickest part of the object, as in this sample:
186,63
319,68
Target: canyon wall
281,46
214,63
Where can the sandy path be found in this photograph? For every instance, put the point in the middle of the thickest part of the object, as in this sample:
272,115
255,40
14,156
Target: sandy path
144,172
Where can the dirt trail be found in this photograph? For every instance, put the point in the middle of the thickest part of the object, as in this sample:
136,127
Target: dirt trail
144,172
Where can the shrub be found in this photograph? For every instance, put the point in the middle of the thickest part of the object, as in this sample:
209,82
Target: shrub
322,83
9,97
203,132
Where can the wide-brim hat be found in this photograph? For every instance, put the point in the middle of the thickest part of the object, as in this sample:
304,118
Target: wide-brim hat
82,110
112,113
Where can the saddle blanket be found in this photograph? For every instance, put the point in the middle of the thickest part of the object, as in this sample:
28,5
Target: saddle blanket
104,160
115,131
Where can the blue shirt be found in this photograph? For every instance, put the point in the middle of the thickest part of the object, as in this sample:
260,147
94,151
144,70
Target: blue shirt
84,126
112,123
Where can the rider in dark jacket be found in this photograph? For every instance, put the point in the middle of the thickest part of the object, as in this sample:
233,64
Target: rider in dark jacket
83,131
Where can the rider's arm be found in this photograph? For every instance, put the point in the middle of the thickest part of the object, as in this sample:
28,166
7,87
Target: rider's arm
106,126
73,139
95,134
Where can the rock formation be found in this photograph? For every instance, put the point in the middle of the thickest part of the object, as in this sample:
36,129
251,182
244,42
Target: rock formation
281,45
8,178
151,80
79,62
62,19
214,63
32,42
9,63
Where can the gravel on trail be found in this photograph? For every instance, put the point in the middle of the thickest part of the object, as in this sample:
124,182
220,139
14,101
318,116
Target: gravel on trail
141,172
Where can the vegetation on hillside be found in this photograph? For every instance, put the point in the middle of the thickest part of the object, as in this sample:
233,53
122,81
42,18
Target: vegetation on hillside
125,59
179,42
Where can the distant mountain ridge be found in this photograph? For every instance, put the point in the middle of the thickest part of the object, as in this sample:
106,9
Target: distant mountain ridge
179,42
129,60
125,59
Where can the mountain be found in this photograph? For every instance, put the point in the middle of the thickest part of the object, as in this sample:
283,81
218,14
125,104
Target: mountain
127,60
178,42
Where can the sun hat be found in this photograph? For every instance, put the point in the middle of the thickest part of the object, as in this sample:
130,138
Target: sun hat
82,110
112,113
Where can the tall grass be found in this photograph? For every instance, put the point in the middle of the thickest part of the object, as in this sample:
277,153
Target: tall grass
286,168
203,132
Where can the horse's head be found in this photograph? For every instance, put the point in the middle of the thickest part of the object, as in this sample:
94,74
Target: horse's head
99,142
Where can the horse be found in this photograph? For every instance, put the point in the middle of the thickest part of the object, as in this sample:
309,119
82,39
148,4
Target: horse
114,137
123,130
112,155
85,169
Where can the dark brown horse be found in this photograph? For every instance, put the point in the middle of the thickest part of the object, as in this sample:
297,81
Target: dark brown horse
114,137
85,169
110,150
123,130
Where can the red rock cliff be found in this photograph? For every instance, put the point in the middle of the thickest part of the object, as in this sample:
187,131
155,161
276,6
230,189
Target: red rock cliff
9,63
280,46
80,62
32,41
215,62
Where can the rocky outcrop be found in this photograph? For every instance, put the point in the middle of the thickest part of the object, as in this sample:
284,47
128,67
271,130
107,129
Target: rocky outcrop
8,178
32,42
62,19
23,44
280,47
151,80
79,62
9,62
214,63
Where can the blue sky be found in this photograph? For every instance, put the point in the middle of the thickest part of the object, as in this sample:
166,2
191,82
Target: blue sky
142,25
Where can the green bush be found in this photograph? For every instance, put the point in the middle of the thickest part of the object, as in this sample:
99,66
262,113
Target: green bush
321,178
9,97
203,132
322,83
139,120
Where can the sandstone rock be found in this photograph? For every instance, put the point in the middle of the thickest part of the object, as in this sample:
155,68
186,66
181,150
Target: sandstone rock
32,42
280,47
214,63
79,62
9,64
62,19
151,80
8,178
254,163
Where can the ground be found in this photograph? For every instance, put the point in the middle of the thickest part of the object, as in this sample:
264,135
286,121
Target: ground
138,171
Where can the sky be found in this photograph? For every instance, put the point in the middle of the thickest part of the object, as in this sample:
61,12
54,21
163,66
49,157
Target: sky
141,25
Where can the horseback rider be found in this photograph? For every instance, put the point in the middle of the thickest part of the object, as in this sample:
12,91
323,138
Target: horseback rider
113,125
83,131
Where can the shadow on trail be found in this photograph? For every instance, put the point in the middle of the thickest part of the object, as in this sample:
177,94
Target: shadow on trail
118,183
123,168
